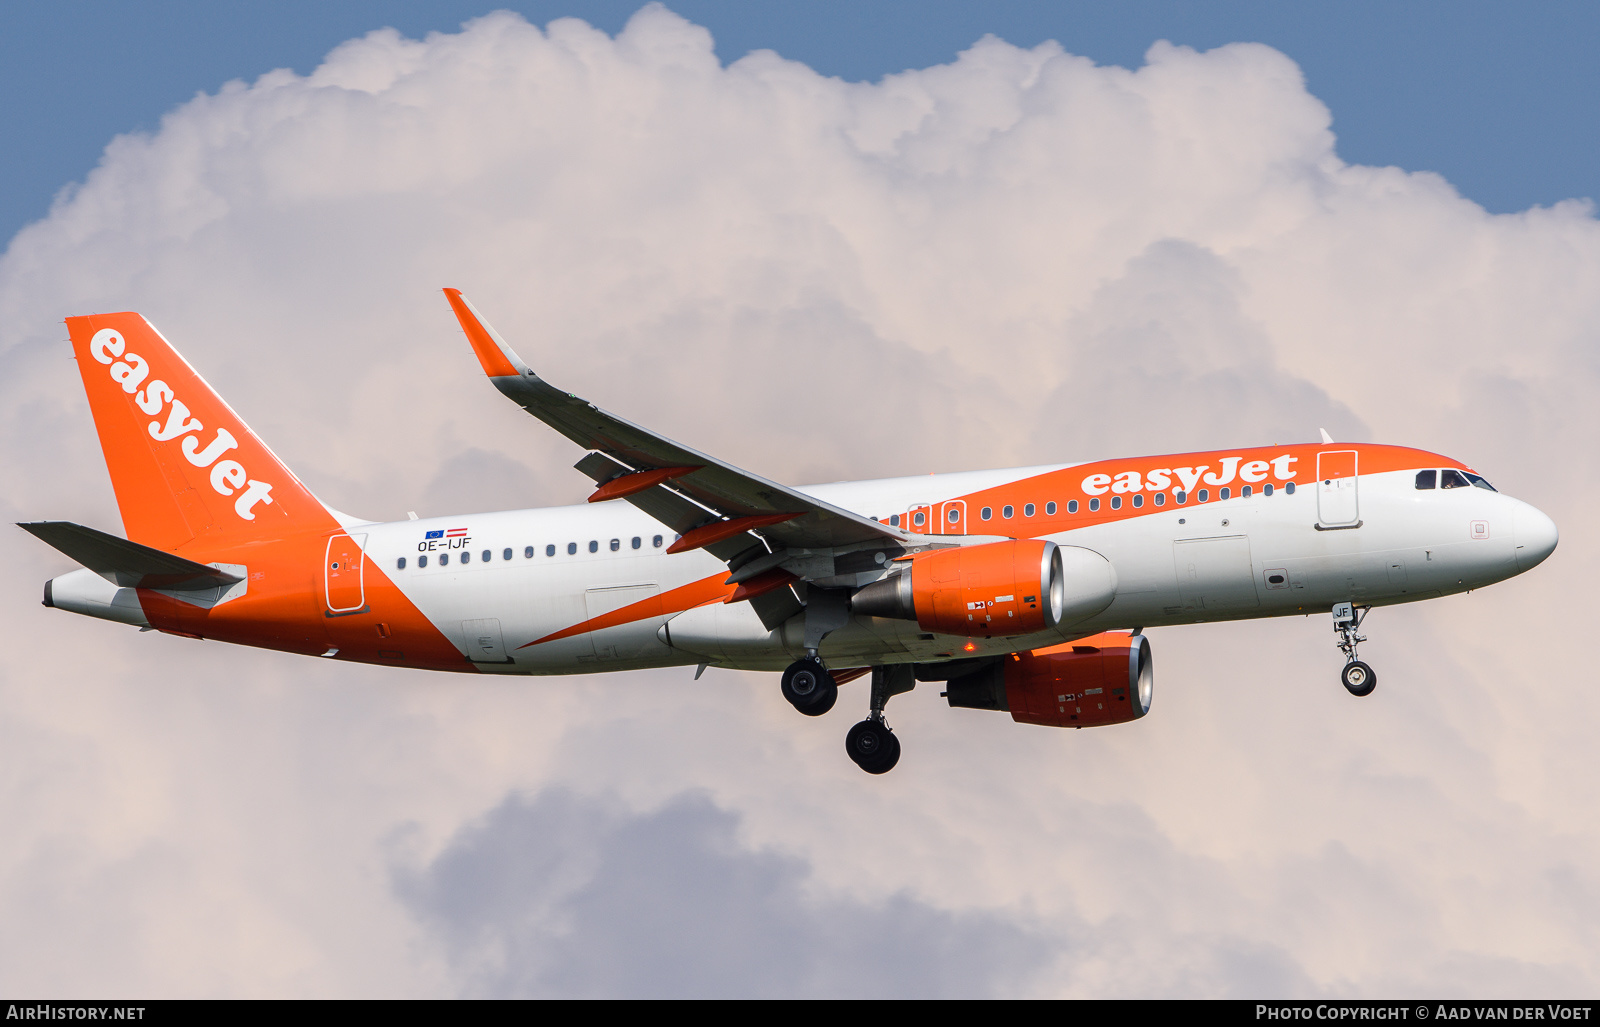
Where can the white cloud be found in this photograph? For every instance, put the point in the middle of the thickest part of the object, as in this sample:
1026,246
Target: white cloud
1015,258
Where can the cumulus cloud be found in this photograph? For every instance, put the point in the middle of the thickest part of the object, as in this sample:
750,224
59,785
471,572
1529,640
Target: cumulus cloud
1015,258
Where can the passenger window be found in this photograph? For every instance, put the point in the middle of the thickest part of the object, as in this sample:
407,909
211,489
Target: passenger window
1244,493
1094,504
986,513
527,554
1224,493
444,558
1450,478
507,555
656,542
1027,511
918,519
637,542
402,564
954,514
594,546
1008,512
422,561
1138,501
1266,490
1050,509
488,554
572,548
1427,480
550,550
1478,480
466,557
1116,502
1181,496
1161,499
1203,496
616,544
1288,488
1072,506
894,520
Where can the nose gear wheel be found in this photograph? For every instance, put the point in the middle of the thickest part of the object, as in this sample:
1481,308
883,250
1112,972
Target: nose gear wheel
1357,677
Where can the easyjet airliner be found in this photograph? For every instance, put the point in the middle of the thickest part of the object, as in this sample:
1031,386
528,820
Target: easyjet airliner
1024,590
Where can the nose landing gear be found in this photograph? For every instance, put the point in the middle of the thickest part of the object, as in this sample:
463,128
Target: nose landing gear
1357,677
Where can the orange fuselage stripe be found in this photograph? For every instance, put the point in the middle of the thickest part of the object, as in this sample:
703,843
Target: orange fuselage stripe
696,593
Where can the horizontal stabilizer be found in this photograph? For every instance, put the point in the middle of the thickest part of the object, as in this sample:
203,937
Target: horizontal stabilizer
125,563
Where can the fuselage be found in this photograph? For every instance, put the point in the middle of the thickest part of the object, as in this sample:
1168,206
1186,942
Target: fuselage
1199,537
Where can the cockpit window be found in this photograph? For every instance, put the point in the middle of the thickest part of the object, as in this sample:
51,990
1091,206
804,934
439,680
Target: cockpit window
1427,479
1450,478
1478,480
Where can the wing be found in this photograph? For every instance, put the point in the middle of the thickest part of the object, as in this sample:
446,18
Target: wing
711,503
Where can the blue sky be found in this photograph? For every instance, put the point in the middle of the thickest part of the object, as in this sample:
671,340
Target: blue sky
1501,99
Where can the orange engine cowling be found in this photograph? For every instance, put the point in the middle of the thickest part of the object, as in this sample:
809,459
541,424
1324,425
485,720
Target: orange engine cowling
1102,679
1001,588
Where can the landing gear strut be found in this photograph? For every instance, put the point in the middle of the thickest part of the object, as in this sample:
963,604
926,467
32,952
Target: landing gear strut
1357,677
871,744
809,687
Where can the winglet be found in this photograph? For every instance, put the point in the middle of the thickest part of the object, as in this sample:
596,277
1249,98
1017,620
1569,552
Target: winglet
497,358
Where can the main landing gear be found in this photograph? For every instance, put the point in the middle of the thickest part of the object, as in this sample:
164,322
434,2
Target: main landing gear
871,743
1357,677
809,687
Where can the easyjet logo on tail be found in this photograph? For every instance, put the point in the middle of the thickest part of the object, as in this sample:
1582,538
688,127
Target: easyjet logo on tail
228,477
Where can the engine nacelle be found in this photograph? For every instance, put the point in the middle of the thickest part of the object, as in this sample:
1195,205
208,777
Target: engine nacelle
1102,679
1001,588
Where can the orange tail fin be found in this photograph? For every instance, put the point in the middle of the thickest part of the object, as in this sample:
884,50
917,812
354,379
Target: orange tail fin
183,464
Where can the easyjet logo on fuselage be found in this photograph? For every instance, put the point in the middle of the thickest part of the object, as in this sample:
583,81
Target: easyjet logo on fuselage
228,477
1159,479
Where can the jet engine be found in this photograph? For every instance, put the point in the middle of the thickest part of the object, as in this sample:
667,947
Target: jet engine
1102,679
1002,588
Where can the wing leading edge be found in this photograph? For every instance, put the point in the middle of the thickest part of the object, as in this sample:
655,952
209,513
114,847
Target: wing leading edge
685,489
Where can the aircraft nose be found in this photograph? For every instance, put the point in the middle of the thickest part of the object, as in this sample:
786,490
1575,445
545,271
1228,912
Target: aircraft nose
1536,537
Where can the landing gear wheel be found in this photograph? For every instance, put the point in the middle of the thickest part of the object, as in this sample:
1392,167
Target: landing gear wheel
809,687
1358,678
873,747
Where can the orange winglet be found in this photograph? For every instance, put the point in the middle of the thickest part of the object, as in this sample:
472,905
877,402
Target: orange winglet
490,355
761,584
638,481
716,531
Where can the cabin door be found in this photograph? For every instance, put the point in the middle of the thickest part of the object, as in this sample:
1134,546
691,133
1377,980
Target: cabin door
1338,505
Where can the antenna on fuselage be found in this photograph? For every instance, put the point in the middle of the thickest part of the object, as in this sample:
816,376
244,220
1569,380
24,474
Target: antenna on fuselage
1327,440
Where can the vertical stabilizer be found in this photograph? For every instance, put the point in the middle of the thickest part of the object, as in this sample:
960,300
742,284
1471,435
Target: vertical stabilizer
183,464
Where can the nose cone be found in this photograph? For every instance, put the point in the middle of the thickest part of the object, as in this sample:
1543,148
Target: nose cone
1536,537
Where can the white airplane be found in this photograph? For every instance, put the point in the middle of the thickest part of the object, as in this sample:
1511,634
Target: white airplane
1023,590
